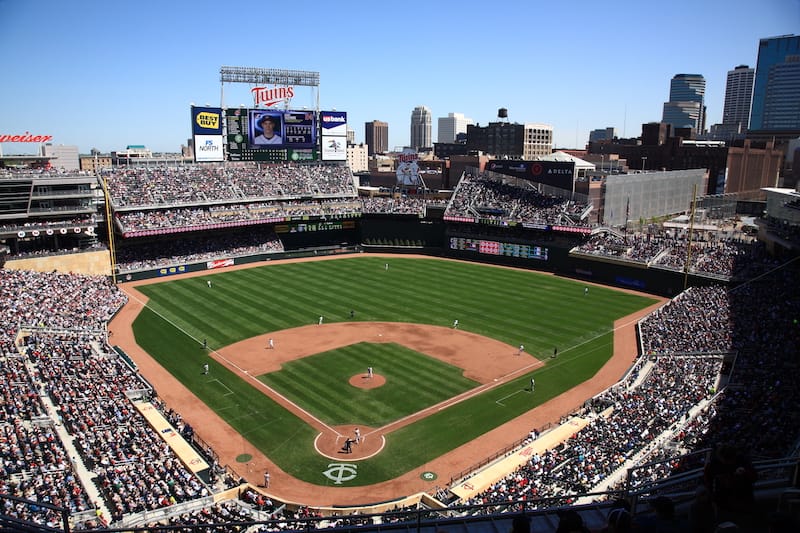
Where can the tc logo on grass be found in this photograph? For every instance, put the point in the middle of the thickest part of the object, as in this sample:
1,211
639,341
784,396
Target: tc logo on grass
340,472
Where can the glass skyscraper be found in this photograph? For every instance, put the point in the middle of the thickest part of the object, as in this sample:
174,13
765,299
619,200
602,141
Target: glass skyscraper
686,106
776,91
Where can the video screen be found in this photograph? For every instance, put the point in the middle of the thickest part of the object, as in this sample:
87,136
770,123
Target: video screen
282,129
270,135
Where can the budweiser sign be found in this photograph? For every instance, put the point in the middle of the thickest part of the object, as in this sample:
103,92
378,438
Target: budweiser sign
25,138
269,96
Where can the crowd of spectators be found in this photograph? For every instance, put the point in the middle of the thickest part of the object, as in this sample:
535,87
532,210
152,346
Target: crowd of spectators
209,217
151,255
36,464
726,257
688,325
403,205
622,422
756,322
518,201
228,183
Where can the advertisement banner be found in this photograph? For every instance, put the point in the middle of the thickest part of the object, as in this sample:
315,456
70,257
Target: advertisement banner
555,173
219,263
206,120
333,123
334,148
208,148
407,168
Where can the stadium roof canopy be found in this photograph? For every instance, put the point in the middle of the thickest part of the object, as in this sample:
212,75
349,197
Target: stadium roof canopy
565,157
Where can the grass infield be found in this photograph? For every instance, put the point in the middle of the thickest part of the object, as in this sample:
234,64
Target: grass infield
513,306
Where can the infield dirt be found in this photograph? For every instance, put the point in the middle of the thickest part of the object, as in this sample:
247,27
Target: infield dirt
460,348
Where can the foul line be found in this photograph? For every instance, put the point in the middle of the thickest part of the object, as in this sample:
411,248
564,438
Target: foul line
502,380
218,356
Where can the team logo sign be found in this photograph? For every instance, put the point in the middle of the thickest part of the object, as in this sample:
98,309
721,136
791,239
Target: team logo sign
428,475
340,472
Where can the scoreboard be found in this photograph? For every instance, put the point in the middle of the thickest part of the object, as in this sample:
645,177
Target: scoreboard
508,249
294,135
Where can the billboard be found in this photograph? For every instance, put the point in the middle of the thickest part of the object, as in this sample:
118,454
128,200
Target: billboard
554,173
333,123
407,167
507,249
271,135
333,129
334,148
208,148
207,134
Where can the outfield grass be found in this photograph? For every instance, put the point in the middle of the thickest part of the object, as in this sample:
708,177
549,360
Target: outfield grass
514,306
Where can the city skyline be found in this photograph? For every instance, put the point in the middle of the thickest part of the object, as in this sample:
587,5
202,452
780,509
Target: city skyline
95,78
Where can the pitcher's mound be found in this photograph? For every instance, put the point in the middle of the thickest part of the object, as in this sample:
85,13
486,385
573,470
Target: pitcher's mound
362,381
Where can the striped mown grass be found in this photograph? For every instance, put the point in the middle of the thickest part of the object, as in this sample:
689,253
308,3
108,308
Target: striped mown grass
513,306
336,402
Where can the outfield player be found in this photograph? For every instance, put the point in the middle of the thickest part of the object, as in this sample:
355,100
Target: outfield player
455,324
320,320
209,283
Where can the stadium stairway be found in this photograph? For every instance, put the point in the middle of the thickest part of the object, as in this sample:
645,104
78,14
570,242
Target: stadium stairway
85,476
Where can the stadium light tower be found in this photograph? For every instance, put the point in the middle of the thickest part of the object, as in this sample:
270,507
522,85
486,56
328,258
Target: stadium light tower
280,77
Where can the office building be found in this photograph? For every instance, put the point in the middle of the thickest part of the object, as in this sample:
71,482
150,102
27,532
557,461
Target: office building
376,136
421,137
516,141
776,89
357,158
605,134
450,126
736,110
686,105
738,95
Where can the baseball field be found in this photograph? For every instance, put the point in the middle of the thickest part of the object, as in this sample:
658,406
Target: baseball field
435,388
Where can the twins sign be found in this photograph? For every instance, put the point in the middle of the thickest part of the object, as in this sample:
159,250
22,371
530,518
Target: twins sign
270,96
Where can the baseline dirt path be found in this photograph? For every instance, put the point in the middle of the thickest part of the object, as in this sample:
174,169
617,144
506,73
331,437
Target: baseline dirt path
463,349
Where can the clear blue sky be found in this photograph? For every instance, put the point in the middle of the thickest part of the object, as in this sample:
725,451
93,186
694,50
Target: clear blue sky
106,74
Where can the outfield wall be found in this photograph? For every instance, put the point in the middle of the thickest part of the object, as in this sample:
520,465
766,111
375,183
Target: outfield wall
412,234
